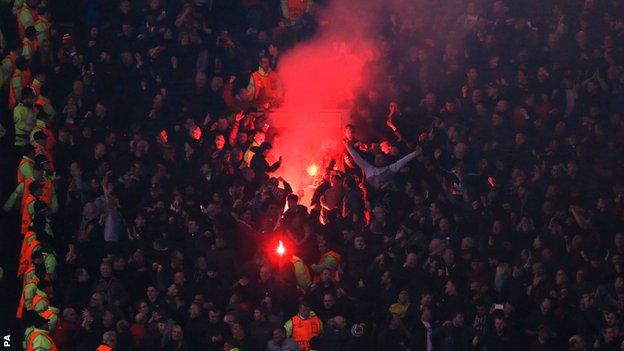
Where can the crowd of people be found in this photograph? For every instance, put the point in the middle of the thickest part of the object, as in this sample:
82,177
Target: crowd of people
477,203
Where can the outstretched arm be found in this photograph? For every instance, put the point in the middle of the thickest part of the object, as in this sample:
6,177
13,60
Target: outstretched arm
360,161
395,167
275,166
228,97
287,188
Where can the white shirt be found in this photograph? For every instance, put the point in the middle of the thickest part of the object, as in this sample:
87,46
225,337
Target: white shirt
429,332
385,172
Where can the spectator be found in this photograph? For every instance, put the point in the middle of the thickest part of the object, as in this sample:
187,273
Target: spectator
393,336
480,162
260,329
455,335
336,336
280,342
111,288
303,326
109,341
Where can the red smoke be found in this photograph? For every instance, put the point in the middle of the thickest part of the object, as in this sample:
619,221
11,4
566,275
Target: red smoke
320,79
348,55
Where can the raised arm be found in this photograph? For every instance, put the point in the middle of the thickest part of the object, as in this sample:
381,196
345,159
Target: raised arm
228,95
287,188
235,127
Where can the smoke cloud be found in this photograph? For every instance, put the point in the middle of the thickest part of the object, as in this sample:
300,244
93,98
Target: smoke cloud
322,77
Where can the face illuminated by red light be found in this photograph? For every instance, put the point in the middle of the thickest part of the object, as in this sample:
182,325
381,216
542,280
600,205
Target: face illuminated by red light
259,138
220,142
273,50
386,147
335,180
265,64
348,133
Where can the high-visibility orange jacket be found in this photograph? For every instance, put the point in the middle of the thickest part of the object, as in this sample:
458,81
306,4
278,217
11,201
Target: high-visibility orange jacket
10,61
42,25
36,86
48,190
40,340
329,259
19,80
47,106
47,313
27,201
22,192
7,67
24,170
29,275
265,86
26,17
29,236
39,303
52,316
29,47
302,273
29,244
40,126
294,9
303,330
30,284
47,153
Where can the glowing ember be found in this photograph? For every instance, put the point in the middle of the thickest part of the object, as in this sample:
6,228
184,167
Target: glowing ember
281,250
312,170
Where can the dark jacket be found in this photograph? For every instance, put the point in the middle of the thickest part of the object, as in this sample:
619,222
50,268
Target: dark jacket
261,166
335,339
392,339
453,339
506,341
418,336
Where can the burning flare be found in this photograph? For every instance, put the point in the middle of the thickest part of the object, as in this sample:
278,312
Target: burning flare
312,170
281,250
